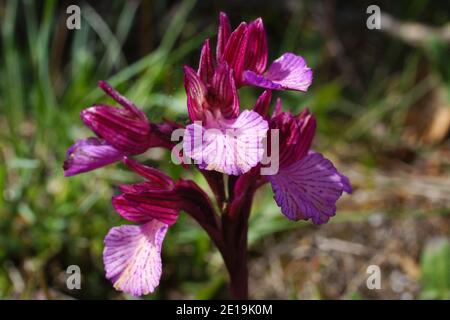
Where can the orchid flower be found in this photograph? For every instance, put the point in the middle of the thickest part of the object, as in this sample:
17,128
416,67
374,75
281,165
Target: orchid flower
246,50
222,140
307,185
120,132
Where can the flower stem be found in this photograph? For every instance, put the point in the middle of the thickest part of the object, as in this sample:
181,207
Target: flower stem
239,276
235,229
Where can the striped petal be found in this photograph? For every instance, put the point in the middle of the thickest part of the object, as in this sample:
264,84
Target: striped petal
126,129
119,127
263,103
256,56
132,257
196,92
223,35
89,154
223,93
206,65
229,146
287,72
235,51
143,206
309,189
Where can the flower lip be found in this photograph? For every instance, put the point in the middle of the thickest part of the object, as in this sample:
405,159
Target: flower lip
307,185
288,72
132,257
89,154
225,145
309,188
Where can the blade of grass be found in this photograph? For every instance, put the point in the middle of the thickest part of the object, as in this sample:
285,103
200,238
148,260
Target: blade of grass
113,54
12,88
155,59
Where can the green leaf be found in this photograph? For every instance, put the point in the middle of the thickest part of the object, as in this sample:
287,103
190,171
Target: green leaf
435,266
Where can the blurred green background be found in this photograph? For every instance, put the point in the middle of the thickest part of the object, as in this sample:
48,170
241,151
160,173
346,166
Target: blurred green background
382,99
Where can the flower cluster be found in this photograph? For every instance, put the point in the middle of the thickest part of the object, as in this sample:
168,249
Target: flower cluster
223,139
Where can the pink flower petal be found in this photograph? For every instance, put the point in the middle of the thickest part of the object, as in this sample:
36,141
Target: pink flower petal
126,129
256,56
223,93
235,51
263,103
206,65
228,146
196,92
259,80
132,257
309,189
89,154
295,135
223,35
143,206
119,127
287,72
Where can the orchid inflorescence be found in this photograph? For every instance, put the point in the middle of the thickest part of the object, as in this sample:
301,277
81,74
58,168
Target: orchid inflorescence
228,145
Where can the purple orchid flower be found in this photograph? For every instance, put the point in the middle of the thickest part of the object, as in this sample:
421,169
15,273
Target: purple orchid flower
245,49
132,254
221,139
120,132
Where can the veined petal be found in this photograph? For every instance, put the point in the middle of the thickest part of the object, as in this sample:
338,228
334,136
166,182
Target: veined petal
206,65
89,154
278,108
296,135
120,127
230,146
224,93
256,56
287,72
309,189
307,125
235,51
259,80
263,103
196,94
223,35
132,257
143,206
